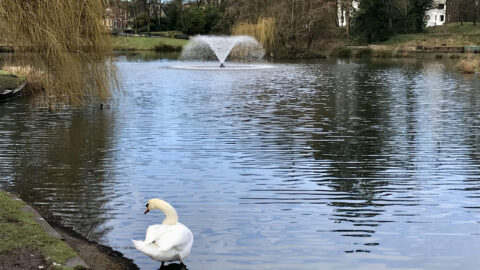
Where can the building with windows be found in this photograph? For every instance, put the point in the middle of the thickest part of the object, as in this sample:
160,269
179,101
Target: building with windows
115,19
436,15
433,17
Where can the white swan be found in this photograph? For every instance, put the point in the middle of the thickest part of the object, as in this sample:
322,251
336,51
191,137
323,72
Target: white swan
169,241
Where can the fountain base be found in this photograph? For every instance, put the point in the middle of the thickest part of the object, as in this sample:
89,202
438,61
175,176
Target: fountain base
215,66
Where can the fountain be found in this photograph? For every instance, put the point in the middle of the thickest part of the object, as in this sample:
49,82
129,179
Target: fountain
236,48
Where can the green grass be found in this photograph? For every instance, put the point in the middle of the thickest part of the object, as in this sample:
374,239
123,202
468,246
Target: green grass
451,35
18,230
146,43
9,80
456,28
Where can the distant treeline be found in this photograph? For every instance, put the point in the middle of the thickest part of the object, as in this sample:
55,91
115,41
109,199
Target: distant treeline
294,26
463,10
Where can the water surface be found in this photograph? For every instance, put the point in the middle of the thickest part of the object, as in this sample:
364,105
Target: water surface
315,165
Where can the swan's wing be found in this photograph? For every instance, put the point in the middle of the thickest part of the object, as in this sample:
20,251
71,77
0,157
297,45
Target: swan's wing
177,237
154,232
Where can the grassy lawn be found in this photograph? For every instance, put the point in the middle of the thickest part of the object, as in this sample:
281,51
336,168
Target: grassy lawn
451,35
147,43
18,230
9,80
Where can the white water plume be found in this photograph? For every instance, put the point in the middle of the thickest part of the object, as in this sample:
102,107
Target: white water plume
240,48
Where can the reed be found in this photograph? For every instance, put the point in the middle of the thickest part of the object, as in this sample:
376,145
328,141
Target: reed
66,43
263,31
468,65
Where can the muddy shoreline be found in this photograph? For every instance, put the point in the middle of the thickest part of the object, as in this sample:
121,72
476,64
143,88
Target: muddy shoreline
97,256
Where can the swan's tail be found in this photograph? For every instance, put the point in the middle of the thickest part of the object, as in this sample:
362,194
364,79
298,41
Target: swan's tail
148,249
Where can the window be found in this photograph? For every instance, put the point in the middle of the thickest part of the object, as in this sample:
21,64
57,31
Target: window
441,6
442,17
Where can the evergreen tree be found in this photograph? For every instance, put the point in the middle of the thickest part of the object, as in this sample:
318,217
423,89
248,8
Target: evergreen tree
377,20
371,22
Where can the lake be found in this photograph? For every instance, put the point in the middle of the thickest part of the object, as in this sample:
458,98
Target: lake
327,164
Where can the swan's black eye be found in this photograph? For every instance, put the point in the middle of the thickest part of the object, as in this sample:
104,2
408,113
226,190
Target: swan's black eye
146,205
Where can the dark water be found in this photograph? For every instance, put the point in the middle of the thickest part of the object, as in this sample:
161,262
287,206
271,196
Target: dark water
321,165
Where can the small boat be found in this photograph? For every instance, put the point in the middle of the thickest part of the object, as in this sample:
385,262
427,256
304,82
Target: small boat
11,93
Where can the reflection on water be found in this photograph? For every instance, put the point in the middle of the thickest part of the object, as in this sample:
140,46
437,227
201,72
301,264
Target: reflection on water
57,163
332,165
147,55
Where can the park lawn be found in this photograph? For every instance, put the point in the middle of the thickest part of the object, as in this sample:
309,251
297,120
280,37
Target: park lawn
451,35
147,43
19,230
9,80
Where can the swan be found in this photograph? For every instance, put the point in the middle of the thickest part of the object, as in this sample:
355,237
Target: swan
166,242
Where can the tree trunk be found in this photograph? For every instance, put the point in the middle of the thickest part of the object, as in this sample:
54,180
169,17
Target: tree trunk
146,9
347,18
475,15
135,23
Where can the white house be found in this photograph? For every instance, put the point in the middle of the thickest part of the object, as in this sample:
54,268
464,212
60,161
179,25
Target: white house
436,15
342,13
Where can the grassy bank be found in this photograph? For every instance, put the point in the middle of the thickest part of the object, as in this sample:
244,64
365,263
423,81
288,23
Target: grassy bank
446,41
9,80
19,232
451,35
163,44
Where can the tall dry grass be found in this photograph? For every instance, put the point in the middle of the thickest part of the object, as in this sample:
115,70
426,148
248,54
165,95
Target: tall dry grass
469,64
263,31
65,41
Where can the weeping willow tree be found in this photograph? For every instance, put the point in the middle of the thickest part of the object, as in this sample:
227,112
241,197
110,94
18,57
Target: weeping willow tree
292,27
263,31
66,43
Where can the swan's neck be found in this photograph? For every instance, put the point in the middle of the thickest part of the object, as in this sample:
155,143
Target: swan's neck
171,217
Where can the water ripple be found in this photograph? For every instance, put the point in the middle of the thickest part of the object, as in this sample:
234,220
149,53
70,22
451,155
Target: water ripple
328,164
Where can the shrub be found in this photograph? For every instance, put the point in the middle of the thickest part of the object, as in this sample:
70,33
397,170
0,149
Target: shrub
167,48
364,53
467,66
382,53
341,52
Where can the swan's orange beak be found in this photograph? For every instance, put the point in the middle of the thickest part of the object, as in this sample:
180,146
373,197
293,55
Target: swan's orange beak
146,211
